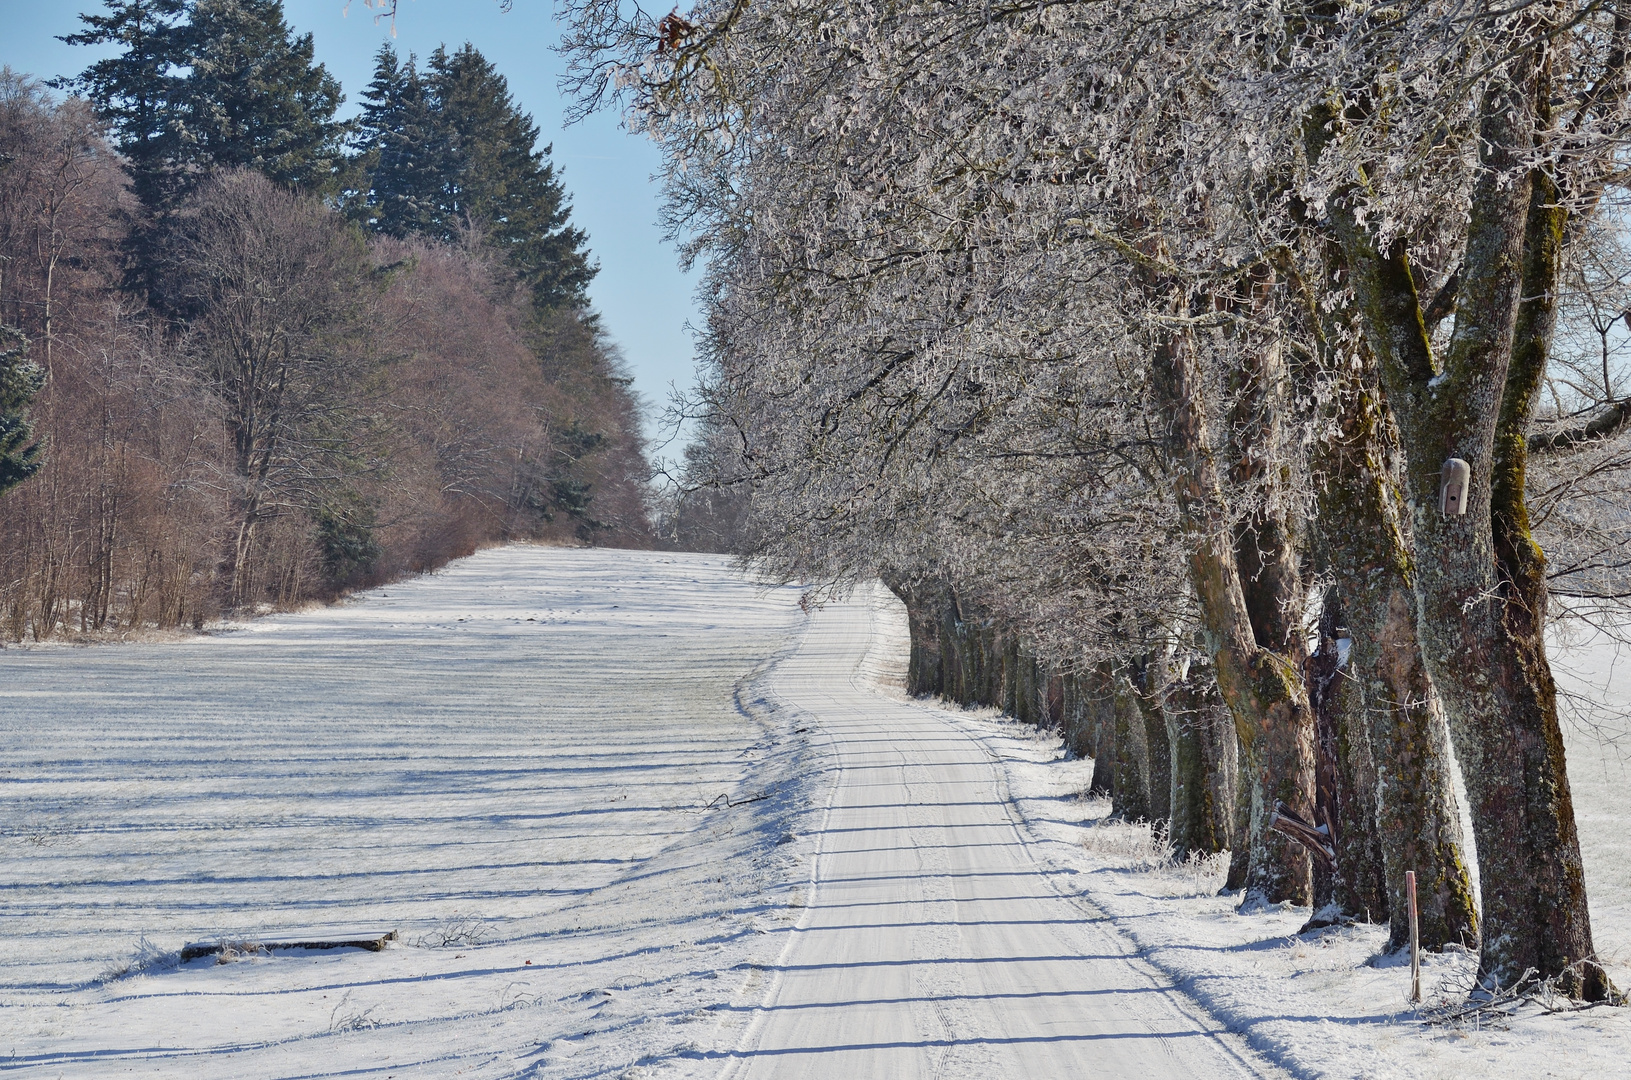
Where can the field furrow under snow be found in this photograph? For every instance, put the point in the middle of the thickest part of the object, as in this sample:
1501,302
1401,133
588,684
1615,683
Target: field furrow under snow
484,759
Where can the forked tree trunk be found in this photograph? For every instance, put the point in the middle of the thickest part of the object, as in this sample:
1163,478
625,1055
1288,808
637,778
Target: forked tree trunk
1383,705
1478,584
1264,691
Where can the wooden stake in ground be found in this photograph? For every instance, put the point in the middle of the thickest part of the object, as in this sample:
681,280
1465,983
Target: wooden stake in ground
1415,938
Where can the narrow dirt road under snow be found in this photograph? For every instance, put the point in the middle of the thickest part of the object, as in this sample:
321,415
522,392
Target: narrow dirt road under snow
934,944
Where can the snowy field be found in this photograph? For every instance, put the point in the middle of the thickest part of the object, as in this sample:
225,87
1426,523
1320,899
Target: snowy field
510,762
631,816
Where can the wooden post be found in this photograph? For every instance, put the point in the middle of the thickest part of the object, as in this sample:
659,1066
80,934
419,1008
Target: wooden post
1415,938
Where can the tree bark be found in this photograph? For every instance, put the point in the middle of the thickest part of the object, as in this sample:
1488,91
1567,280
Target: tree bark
1130,798
1346,783
1382,701
1152,682
925,609
1100,709
1264,692
1479,591
1199,819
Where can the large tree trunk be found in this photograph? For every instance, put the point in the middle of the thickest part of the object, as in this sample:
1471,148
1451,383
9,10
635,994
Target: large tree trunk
1345,776
1264,691
1383,707
1099,707
1481,607
1130,788
954,651
925,602
1153,678
1199,819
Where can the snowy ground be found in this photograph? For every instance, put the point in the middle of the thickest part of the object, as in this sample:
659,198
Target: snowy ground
511,762
1330,1004
633,817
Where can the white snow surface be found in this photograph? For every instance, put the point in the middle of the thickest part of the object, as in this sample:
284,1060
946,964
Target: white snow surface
1332,1003
634,816
512,759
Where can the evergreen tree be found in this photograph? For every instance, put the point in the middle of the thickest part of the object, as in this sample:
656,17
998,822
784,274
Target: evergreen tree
208,85
449,151
134,90
255,99
399,148
20,382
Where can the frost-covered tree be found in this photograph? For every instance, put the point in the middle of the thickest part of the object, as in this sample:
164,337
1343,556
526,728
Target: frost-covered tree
1219,288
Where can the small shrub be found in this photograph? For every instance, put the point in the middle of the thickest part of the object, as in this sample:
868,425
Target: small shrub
456,932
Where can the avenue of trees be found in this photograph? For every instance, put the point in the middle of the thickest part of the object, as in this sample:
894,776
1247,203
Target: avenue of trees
1132,345
251,354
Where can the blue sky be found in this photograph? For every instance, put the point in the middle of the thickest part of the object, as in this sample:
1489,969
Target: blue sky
644,299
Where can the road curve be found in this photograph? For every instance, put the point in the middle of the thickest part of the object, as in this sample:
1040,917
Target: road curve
933,944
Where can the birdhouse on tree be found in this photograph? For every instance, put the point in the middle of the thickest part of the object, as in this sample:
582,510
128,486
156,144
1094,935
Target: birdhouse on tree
1452,487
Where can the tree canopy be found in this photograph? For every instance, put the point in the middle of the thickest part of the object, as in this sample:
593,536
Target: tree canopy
208,85
446,151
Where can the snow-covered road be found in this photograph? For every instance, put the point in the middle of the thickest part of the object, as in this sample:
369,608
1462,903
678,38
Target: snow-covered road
935,944
631,815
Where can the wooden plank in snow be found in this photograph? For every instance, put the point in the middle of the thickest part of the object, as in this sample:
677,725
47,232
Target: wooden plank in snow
372,940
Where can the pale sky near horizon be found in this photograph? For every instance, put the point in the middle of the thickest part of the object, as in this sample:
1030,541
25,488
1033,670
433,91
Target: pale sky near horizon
644,300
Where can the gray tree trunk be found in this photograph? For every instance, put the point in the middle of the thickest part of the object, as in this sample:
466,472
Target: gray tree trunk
1479,581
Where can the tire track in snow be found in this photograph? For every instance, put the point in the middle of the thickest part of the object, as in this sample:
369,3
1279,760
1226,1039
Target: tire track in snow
933,944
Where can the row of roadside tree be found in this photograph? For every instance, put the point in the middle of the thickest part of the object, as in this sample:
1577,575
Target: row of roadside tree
1140,348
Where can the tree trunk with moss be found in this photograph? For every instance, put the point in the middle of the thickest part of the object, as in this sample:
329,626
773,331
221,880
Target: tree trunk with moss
1152,678
1240,823
1479,580
1263,689
1130,787
1099,709
1391,734
925,610
1199,819
1345,776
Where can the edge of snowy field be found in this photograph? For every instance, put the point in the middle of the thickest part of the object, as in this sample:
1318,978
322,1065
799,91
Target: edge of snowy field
640,969
1324,1004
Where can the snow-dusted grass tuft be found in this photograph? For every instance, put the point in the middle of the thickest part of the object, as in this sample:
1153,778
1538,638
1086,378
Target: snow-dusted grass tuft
455,932
1135,845
144,959
346,1017
1139,847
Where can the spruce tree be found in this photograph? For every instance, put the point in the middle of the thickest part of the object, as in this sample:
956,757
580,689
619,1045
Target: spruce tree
134,91
255,99
400,151
448,150
208,85
20,382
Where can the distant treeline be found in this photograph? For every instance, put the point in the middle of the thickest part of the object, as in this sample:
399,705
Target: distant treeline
252,355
